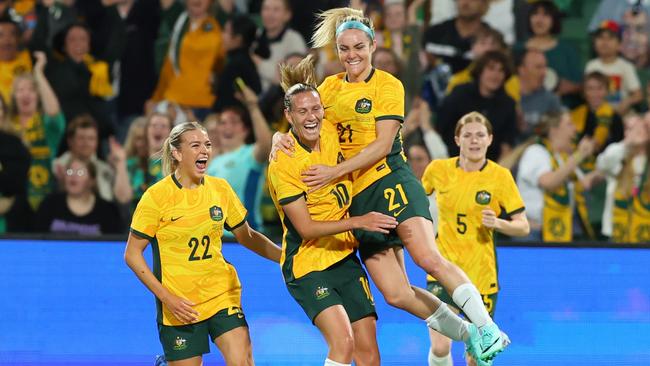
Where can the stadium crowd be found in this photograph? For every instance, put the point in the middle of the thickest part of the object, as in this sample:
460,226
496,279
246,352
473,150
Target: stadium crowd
90,90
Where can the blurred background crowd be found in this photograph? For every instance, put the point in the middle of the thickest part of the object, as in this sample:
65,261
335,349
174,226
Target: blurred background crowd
90,89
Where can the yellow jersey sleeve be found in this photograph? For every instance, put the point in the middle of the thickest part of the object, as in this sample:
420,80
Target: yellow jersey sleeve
509,198
428,178
390,102
285,179
146,217
236,214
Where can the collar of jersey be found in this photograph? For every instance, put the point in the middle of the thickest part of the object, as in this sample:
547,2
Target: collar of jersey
480,170
298,140
372,72
179,185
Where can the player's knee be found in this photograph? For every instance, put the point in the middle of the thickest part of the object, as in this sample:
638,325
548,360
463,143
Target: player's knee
343,346
399,297
441,349
242,357
367,357
432,263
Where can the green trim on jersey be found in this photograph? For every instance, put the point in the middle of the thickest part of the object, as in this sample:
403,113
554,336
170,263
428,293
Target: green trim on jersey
142,235
227,227
157,272
293,241
389,117
288,200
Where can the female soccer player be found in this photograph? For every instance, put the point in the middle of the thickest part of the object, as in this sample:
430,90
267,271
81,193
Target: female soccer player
319,263
198,294
367,107
472,193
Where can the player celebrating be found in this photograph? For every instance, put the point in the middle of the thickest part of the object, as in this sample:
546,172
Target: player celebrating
319,263
472,192
367,107
198,294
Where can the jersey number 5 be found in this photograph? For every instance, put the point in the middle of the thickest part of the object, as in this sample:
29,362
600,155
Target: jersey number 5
461,226
194,244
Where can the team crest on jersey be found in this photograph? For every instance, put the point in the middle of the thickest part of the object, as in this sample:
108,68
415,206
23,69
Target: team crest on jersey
364,105
180,344
483,197
215,213
322,292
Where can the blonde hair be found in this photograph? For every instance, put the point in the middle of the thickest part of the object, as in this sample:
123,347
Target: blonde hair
472,117
298,79
173,142
330,20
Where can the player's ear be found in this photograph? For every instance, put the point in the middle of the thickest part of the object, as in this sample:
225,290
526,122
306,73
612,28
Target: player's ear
177,155
457,140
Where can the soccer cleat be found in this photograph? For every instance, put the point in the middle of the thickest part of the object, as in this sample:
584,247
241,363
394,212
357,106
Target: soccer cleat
473,346
492,341
160,361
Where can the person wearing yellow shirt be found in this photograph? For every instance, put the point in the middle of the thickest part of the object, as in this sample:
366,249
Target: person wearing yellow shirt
12,61
183,216
367,107
472,194
194,55
319,265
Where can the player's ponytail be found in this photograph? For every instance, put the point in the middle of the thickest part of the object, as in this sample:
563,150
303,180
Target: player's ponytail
297,79
173,142
336,20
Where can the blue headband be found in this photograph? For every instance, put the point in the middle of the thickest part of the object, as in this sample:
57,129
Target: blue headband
355,24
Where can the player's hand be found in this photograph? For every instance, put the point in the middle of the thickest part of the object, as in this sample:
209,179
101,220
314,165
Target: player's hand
375,221
40,61
282,142
181,308
318,176
489,218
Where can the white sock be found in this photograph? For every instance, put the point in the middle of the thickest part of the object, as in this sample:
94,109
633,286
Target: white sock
447,323
440,361
468,299
329,362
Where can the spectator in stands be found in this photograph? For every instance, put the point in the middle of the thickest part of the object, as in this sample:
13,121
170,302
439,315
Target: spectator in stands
545,177
52,16
13,61
36,117
487,39
386,59
624,85
271,102
275,41
242,162
418,130
195,52
403,35
536,100
15,213
81,82
131,28
78,209
238,37
486,95
145,167
563,62
211,125
450,41
624,164
596,117
112,180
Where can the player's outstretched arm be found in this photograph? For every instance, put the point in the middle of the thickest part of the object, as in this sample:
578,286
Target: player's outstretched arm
257,242
309,229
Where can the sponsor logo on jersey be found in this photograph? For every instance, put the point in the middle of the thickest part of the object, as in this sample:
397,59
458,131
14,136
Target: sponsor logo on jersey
180,344
483,197
364,105
322,292
215,213
381,167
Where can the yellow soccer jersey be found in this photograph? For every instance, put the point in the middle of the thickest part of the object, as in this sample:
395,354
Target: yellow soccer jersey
329,203
185,227
461,196
354,108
